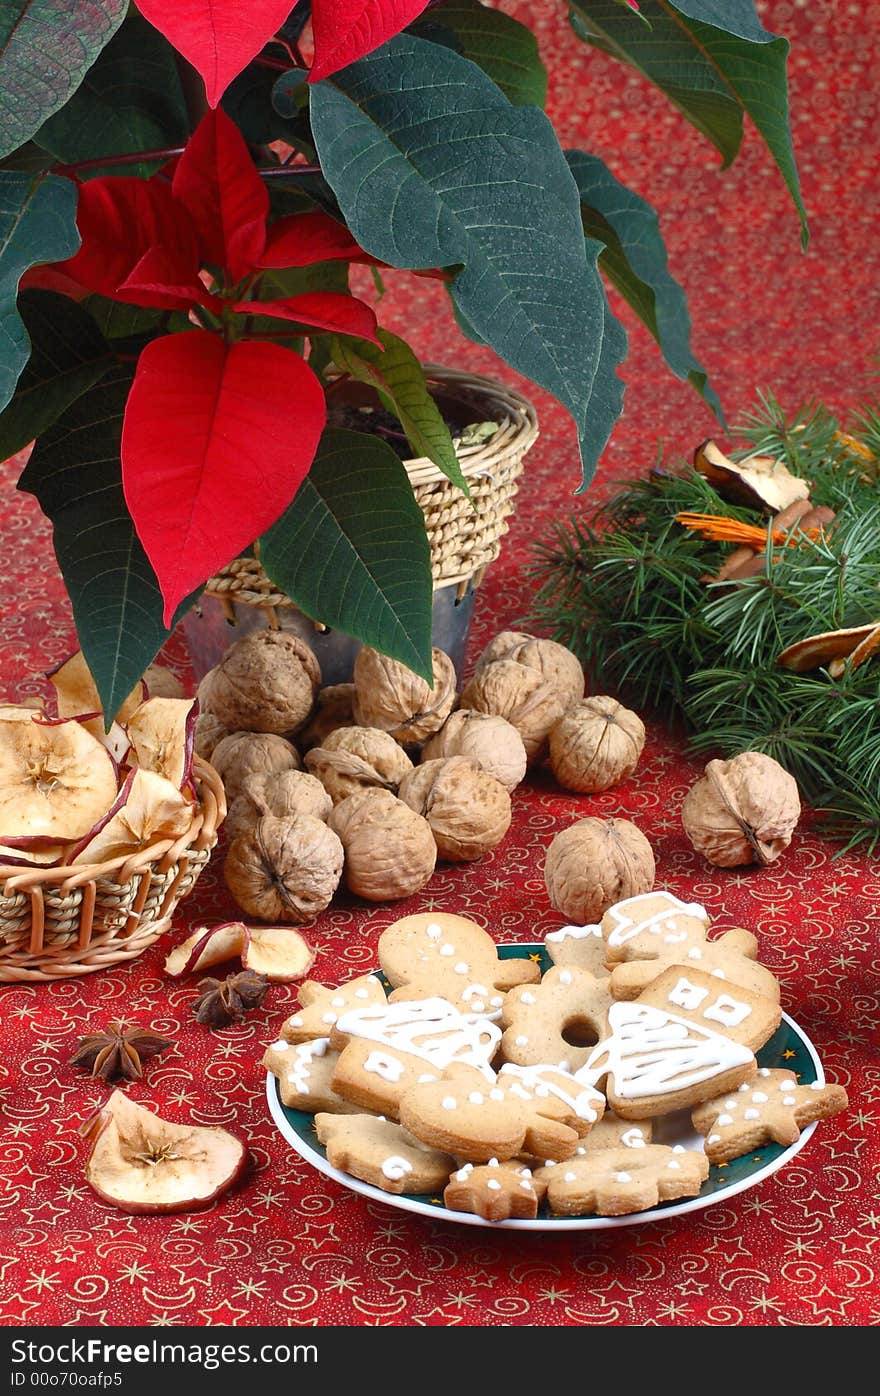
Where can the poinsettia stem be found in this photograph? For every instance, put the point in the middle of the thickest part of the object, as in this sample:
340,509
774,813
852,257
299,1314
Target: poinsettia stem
276,171
292,49
131,157
262,60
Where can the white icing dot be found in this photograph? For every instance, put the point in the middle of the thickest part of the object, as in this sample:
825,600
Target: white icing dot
763,1071
724,1120
743,1087
564,1066
714,1139
549,1163
580,1149
789,1100
815,1085
447,949
475,1098
623,1177
525,1173
751,1114
719,974
542,1091
494,1184
496,1000
565,977
495,1094
477,1005
338,1002
730,1104
395,1167
362,993
521,1040
678,1148
526,1184
493,1163
673,1163
329,1017
426,1076
449,1102
280,1046
295,1022
461,1175
461,967
433,931
524,997
788,1085
695,953
570,1178
759,1097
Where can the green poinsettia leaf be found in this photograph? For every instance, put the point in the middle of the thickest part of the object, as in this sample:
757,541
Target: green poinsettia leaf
433,166
68,355
606,402
634,259
394,371
37,224
46,49
714,60
130,99
75,473
352,550
503,47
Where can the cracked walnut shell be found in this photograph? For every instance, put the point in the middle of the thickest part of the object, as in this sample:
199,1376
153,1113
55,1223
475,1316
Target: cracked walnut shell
391,696
507,689
595,863
742,811
284,870
353,758
554,662
266,682
595,744
283,795
468,810
492,742
244,754
389,849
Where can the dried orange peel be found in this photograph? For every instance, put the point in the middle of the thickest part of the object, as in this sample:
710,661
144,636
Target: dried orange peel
834,650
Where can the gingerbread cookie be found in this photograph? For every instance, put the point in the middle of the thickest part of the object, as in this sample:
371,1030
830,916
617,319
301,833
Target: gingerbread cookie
386,1048
305,1072
559,1020
579,947
476,1120
711,1002
436,954
615,1182
320,1007
379,1152
653,1062
732,956
643,927
494,1191
586,1106
772,1109
611,1132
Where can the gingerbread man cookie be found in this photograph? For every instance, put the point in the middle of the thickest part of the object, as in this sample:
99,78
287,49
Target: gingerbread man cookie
772,1109
579,947
436,954
305,1072
320,1007
615,1182
586,1105
494,1191
379,1152
476,1120
559,1020
651,924
731,956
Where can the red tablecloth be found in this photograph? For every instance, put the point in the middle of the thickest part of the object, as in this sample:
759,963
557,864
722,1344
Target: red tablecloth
290,1247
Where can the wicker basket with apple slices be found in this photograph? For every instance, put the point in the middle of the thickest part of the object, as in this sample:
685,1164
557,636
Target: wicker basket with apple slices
102,832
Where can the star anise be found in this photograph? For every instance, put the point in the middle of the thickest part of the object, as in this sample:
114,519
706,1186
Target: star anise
119,1050
224,1001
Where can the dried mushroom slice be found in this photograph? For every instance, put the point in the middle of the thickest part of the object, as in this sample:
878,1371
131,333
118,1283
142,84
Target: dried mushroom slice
162,732
56,781
147,809
76,693
758,480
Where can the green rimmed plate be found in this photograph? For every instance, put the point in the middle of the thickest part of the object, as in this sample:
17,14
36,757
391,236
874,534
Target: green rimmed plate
789,1047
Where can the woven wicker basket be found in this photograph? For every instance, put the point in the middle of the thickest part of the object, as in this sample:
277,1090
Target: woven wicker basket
464,536
56,923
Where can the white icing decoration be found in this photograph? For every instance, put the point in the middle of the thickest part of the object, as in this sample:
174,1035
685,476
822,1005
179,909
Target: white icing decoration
759,1097
493,1163
494,1184
462,1173
475,1098
724,1120
695,953
718,973
633,1138
449,1102
728,1011
304,1054
496,1000
478,1005
675,939
673,1163
281,1045
431,1029
743,1087
461,967
446,950
546,1079
763,1071
714,1139
338,1002
328,1017
574,933
396,1167
678,1148
687,995
295,1022
730,1104
789,1100
526,997
542,1091
816,1085
526,1184
653,1053
569,1177
521,1041
472,989
426,1076
565,1067
625,927
362,993
751,1114
623,1177
495,1094
433,931
565,976
388,1067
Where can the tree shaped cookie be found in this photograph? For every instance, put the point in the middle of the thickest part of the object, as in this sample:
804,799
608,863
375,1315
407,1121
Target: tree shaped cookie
380,1152
581,947
614,1182
772,1109
320,1007
435,953
305,1072
476,1120
494,1191
386,1048
558,1020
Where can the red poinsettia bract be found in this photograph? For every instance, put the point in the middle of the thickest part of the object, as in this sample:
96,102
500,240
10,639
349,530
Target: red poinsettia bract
221,424
220,37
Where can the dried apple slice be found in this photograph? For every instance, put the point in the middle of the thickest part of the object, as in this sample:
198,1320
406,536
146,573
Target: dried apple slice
208,945
162,732
116,740
758,480
76,693
144,1164
56,780
31,855
147,808
278,952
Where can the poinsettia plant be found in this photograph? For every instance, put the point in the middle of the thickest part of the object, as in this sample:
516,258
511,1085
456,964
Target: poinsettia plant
183,191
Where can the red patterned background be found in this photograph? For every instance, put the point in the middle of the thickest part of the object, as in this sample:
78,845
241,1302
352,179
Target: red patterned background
290,1247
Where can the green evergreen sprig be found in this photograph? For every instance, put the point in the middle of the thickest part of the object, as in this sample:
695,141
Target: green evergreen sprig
630,591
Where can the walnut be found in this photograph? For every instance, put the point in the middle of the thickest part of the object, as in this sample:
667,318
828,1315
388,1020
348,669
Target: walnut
284,869
467,809
208,734
492,742
389,849
283,794
507,689
742,811
554,662
266,682
593,864
595,744
162,682
353,758
390,696
244,754
333,708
